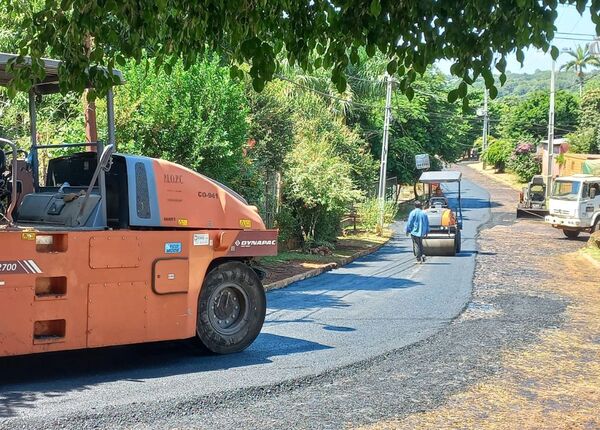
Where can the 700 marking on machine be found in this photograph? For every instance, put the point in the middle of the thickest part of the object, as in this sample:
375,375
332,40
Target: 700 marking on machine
19,267
8,267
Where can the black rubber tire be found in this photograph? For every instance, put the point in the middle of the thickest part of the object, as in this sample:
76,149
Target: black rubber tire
458,241
237,284
571,234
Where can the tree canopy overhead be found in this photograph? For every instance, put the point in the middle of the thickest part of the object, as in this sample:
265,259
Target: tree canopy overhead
477,35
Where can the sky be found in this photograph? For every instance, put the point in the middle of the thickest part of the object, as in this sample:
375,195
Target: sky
569,25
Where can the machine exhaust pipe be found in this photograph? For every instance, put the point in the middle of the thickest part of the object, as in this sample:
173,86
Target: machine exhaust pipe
15,172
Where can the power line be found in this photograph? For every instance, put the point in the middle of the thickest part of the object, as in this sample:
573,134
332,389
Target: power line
576,39
575,34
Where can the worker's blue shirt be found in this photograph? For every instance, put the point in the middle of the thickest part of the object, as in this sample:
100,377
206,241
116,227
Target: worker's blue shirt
417,224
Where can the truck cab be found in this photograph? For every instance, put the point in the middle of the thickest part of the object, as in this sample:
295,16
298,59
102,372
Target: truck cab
575,204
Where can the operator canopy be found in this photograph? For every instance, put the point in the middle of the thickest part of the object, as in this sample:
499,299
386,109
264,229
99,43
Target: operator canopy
50,83
442,176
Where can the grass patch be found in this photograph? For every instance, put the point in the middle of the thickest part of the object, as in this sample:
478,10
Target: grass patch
592,252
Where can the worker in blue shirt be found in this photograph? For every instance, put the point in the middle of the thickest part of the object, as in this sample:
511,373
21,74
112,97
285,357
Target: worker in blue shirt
418,227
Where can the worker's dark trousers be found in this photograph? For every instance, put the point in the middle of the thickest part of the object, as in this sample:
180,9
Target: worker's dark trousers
417,246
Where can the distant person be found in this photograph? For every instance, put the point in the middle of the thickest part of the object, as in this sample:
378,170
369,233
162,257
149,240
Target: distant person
418,227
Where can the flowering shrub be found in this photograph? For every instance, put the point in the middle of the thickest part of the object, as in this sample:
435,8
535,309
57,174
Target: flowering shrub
525,162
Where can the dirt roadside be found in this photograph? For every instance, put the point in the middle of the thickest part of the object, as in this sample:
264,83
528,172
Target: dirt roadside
553,382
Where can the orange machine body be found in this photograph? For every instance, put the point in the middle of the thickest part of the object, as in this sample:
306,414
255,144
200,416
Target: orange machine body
137,280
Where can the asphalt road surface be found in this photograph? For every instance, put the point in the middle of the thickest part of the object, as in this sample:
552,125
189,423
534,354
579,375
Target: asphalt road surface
377,304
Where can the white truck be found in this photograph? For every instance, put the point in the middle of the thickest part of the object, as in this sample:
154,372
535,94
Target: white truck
575,204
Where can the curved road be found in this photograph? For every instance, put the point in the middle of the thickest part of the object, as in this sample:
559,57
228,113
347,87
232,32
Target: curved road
376,304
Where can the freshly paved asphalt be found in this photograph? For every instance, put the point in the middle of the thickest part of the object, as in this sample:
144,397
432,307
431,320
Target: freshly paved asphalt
377,304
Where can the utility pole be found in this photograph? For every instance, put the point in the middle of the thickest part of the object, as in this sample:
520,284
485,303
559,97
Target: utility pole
384,151
484,143
550,159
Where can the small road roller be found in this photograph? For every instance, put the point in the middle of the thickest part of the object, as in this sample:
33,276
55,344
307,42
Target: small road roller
532,199
106,249
445,223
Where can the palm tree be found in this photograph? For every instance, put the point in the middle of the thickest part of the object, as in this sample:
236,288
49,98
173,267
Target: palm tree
582,58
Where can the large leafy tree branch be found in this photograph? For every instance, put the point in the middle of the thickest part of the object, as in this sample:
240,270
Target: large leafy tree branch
477,35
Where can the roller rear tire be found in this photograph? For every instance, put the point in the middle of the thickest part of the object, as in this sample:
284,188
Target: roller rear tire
231,308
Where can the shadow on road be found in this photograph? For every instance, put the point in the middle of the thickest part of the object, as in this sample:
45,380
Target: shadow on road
330,290
55,374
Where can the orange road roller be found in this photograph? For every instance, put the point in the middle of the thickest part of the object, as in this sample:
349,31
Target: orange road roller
106,249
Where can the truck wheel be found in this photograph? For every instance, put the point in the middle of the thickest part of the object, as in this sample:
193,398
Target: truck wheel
231,308
571,234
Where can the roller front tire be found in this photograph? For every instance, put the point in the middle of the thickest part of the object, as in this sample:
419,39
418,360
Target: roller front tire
231,308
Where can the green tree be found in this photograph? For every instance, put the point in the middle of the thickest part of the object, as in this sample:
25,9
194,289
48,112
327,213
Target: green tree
196,117
271,125
426,124
582,58
412,35
529,116
587,137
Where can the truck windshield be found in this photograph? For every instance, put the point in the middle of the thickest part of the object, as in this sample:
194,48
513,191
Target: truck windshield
566,190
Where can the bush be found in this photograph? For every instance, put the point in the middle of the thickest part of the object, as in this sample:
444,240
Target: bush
498,153
318,187
525,162
368,214
582,141
289,228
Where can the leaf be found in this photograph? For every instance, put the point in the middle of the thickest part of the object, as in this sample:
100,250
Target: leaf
520,56
501,64
493,92
452,95
410,93
375,8
392,66
258,84
462,90
370,49
341,84
487,77
502,79
554,52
